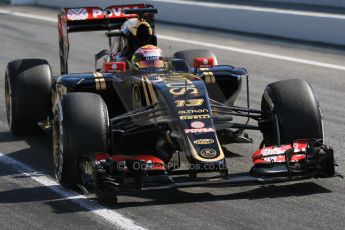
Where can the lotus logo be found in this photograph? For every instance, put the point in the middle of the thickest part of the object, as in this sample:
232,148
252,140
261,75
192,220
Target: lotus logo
208,153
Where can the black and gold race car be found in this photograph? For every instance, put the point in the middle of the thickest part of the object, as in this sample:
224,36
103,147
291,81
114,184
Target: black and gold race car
121,128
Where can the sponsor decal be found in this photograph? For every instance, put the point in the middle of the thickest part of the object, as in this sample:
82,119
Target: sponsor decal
113,67
201,130
203,141
203,62
92,13
208,153
192,111
114,12
152,58
299,147
77,14
189,103
197,124
270,152
98,13
181,88
194,117
182,91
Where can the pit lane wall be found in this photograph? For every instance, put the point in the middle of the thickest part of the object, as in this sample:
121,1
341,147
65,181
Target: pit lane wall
306,26
333,3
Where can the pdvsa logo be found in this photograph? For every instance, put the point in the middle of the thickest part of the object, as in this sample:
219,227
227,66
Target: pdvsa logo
111,12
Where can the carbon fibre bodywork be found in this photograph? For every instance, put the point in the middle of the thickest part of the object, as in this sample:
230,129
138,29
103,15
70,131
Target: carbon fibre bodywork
181,101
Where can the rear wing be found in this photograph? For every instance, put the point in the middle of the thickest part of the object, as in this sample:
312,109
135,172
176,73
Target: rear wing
91,19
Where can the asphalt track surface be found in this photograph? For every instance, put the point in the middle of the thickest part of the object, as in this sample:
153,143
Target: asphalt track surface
28,203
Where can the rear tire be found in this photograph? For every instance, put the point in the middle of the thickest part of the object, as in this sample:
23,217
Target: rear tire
189,55
80,128
27,94
297,110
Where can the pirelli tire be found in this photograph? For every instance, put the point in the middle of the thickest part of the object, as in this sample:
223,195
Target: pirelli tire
294,105
80,128
189,55
27,94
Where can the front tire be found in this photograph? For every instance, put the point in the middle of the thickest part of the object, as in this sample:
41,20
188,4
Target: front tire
80,128
297,110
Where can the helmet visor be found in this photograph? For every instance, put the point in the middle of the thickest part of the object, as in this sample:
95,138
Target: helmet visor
150,64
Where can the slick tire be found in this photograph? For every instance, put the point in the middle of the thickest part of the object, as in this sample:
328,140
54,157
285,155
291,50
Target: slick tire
189,55
27,94
80,128
297,110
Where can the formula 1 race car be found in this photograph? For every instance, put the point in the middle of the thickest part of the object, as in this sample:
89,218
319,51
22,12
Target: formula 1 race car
123,128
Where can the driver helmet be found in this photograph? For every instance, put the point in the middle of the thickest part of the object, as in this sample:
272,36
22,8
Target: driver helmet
148,58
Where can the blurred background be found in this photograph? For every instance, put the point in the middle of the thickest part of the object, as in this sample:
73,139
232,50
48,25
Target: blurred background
320,21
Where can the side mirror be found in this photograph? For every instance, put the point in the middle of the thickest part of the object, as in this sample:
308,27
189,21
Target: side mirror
114,67
98,56
203,62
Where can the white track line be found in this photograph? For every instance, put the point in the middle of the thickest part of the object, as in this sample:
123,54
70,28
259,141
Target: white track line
111,216
206,44
26,15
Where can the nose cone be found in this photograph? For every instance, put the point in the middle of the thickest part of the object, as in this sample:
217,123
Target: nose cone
188,103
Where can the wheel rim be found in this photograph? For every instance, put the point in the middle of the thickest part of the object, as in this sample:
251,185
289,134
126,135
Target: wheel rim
57,148
8,101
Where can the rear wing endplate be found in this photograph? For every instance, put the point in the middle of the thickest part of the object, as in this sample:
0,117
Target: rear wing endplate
90,19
